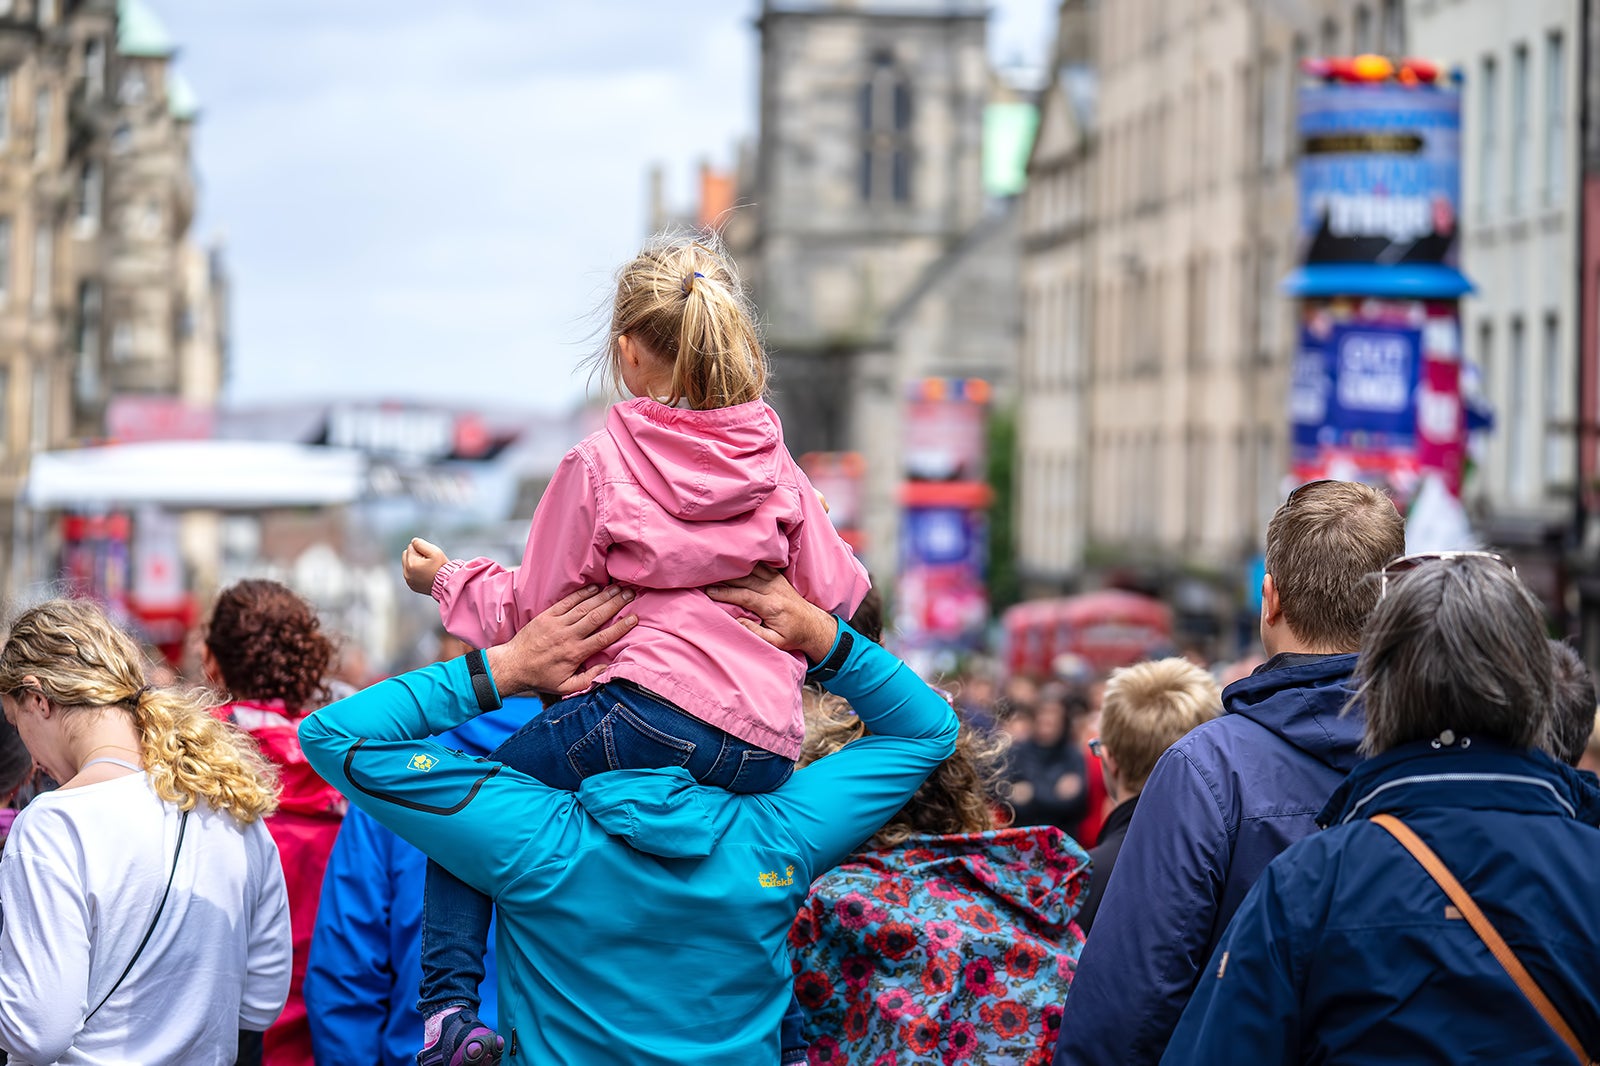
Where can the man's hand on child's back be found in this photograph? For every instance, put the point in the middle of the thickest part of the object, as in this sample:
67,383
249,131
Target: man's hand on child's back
420,562
547,654
787,620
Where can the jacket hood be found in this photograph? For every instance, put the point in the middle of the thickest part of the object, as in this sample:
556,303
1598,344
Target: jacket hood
699,465
661,812
1470,774
1037,870
1302,703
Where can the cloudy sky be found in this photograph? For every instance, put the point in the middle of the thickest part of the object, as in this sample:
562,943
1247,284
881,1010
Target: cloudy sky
425,200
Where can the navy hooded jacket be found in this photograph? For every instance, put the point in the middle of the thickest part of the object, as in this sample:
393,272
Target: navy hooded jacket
1346,951
366,953
1220,805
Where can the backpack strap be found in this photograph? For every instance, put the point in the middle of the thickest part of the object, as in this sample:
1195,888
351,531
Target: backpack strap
1486,932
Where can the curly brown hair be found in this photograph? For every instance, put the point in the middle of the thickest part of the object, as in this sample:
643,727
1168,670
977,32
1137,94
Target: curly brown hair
962,796
269,645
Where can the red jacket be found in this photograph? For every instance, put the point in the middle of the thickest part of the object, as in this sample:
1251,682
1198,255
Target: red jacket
304,827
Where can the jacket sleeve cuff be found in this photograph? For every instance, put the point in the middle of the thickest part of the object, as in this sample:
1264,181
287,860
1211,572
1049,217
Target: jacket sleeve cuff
838,655
442,578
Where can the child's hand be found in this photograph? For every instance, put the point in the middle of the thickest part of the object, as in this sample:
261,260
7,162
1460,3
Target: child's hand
420,562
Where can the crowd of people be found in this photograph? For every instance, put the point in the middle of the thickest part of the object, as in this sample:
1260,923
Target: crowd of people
664,797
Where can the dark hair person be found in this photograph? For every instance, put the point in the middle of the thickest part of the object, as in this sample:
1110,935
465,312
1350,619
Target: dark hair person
265,646
1575,705
1348,949
145,914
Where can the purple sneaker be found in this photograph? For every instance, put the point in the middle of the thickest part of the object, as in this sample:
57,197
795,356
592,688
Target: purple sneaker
464,1041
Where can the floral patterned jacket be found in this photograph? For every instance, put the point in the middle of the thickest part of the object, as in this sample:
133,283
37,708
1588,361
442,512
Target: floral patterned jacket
944,950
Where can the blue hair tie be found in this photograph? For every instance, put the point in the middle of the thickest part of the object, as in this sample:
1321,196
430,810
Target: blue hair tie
688,283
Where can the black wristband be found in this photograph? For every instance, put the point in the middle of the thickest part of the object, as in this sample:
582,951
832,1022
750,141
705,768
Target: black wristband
825,671
482,684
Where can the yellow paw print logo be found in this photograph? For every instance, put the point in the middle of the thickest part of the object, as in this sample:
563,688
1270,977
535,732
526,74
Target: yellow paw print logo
422,762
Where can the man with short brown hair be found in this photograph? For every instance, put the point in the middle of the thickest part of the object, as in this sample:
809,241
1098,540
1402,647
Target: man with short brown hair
1225,800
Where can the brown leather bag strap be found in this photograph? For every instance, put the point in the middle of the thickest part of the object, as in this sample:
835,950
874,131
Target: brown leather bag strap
1486,932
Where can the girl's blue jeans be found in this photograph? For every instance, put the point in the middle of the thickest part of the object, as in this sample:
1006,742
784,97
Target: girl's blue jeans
618,726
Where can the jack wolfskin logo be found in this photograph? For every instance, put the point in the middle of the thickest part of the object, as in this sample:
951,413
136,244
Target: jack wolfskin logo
422,762
772,880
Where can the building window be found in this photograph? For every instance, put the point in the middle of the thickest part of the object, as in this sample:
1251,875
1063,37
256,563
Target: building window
48,12
1361,30
44,241
1393,29
1269,313
1329,39
41,124
94,67
7,79
88,342
1517,414
1488,111
5,410
89,192
886,133
41,408
122,341
5,260
1274,109
1519,127
1555,109
1556,441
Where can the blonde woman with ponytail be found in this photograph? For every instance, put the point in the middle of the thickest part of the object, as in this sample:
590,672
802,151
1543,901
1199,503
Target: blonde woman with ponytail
688,485
145,918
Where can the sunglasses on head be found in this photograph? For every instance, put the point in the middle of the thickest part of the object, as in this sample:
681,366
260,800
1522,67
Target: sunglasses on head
1407,563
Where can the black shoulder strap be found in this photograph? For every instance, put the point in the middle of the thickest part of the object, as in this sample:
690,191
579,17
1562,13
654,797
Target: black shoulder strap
183,824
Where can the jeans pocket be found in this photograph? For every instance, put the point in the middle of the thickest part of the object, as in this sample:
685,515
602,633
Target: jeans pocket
760,771
624,741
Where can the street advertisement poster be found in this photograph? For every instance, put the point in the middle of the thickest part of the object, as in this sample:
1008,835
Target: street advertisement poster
941,600
946,428
1380,174
1375,393
941,596
841,479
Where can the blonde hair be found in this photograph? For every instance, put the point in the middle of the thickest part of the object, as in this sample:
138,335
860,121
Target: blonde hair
1322,545
960,796
1149,707
82,662
681,298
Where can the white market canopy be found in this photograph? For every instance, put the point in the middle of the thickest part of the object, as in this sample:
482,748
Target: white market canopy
211,474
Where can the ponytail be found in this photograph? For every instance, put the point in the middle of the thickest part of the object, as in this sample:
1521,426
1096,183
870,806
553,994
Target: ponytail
191,755
681,298
84,663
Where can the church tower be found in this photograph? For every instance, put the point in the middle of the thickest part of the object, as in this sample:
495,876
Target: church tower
868,172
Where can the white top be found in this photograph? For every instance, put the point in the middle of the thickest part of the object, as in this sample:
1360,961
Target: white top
80,879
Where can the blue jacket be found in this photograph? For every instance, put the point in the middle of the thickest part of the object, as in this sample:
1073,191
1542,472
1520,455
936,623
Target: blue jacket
644,918
366,953
1344,952
1220,805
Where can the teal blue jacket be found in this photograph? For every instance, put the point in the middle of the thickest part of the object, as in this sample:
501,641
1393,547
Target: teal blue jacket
644,918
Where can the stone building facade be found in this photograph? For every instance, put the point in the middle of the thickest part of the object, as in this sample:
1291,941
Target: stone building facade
1520,163
99,294
1159,224
871,247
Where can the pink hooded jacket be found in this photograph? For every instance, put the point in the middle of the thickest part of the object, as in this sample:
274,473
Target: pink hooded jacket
668,501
